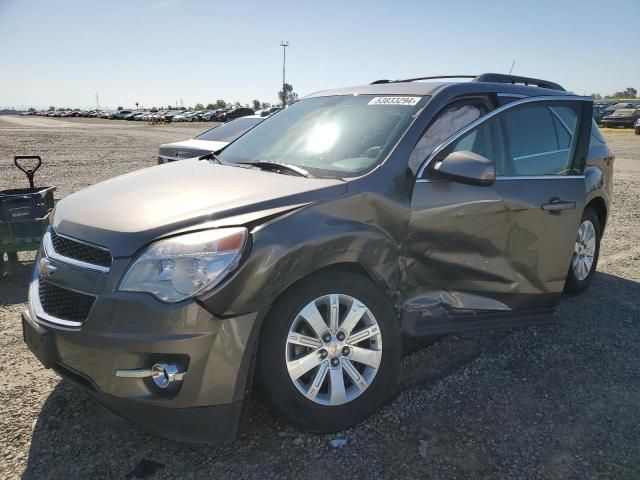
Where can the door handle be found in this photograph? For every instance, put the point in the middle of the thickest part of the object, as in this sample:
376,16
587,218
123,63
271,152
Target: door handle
557,205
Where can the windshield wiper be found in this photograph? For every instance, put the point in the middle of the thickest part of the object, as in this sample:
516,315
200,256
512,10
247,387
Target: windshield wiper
213,157
275,166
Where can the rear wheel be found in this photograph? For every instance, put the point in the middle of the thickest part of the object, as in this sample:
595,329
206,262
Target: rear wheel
330,352
585,254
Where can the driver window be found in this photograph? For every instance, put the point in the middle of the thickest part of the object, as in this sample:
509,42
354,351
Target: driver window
525,140
483,140
448,122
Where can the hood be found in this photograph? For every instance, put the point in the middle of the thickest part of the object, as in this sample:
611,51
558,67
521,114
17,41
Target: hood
127,212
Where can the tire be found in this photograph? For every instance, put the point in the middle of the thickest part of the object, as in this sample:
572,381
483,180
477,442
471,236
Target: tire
637,130
332,409
578,279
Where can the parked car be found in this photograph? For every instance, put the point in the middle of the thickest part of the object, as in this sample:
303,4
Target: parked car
195,116
219,114
598,114
206,116
265,112
637,126
210,141
120,114
623,117
181,116
306,248
235,112
168,116
612,108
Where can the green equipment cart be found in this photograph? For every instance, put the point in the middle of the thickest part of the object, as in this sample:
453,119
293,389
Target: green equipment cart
24,213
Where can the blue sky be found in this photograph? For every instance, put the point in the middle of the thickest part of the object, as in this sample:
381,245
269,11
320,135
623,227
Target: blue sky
158,51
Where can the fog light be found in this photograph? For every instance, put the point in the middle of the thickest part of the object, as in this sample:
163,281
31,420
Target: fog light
165,375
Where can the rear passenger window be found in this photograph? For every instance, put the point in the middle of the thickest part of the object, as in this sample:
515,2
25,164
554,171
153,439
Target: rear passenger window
539,140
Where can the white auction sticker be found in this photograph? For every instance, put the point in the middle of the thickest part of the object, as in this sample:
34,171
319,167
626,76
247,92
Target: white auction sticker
394,100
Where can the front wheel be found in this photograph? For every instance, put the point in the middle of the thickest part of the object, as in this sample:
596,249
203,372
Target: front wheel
330,352
585,254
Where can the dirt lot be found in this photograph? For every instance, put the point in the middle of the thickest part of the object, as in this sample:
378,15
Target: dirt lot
561,401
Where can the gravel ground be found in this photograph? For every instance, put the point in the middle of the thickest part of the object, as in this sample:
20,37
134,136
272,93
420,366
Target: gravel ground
561,401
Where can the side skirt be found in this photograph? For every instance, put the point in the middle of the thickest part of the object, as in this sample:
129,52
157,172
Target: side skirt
415,324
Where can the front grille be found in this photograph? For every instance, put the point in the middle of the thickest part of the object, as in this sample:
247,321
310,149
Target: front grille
64,304
80,251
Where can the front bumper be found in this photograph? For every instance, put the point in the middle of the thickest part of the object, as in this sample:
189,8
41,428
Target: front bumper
133,333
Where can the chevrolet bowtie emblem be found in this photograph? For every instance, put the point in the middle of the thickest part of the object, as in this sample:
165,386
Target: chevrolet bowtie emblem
45,268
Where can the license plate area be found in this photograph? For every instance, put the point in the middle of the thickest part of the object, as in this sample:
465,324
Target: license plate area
39,341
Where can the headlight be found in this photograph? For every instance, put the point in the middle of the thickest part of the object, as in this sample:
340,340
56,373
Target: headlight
185,265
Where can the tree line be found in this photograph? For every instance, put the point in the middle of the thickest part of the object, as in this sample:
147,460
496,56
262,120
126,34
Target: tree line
629,92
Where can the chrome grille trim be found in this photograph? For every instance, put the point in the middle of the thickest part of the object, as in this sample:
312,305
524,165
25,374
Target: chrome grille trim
50,252
36,310
62,302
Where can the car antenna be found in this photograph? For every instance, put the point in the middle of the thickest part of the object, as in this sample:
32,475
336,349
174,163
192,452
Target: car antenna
512,65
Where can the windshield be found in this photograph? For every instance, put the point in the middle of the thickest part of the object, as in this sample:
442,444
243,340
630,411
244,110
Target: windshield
337,136
228,132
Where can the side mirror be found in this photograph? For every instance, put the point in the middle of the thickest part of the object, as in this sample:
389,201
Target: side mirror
466,167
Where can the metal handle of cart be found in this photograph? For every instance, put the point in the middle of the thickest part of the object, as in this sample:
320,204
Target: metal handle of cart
29,171
24,213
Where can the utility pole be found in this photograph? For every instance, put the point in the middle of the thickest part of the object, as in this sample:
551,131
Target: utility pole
284,45
97,102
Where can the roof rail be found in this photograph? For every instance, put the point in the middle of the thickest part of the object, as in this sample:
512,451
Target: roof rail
485,77
436,77
514,79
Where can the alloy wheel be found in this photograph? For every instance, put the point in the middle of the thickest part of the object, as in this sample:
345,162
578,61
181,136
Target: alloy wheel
584,251
333,349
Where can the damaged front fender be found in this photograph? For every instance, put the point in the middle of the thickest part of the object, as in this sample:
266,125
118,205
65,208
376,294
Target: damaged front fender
363,230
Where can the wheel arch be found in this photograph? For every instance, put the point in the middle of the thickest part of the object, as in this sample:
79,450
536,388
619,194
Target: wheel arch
346,267
600,207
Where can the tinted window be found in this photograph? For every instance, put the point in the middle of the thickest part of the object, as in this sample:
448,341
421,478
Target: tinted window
538,140
565,120
228,132
446,124
483,141
530,131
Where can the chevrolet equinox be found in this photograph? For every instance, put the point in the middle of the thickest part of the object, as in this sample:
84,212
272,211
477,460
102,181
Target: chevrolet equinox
296,257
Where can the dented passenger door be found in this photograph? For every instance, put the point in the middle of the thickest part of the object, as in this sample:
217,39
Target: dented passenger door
506,246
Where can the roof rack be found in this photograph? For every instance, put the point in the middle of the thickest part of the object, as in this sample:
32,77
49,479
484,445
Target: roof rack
486,77
514,79
436,77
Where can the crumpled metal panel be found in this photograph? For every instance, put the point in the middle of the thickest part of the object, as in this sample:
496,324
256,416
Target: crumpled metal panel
362,230
488,248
